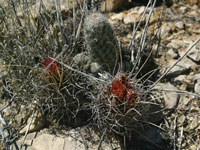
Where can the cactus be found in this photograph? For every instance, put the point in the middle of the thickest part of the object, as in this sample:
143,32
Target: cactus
101,41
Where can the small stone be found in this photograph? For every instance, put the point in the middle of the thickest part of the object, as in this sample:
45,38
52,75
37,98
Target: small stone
129,19
181,119
75,139
197,87
172,54
139,35
94,67
194,123
141,10
193,2
194,54
193,147
179,24
164,31
175,44
118,16
38,122
170,98
182,9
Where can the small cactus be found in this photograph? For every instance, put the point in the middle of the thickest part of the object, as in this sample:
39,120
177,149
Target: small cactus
101,41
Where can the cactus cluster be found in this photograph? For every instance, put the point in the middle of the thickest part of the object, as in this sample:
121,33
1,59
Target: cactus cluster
101,41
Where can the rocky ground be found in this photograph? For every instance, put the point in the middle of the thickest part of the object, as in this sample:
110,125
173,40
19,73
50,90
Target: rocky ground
174,29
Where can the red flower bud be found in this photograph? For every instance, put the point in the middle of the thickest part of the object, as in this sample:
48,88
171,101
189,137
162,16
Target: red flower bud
118,89
53,68
121,89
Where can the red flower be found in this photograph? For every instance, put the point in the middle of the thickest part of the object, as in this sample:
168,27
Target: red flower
118,89
53,68
121,89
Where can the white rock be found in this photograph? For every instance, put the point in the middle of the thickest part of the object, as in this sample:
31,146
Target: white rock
75,139
37,123
194,123
181,119
118,16
195,53
172,54
170,98
179,24
197,87
165,30
175,44
141,10
129,19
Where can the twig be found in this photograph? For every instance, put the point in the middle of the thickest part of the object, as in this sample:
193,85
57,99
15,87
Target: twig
175,127
3,131
181,138
27,129
144,34
9,102
134,62
101,140
178,91
189,7
167,71
82,73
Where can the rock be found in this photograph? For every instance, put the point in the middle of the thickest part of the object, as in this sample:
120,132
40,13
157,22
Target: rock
165,31
118,16
133,15
175,44
193,2
194,54
179,25
141,10
194,123
197,87
38,122
111,5
75,139
95,67
193,147
170,97
182,9
129,19
181,119
172,54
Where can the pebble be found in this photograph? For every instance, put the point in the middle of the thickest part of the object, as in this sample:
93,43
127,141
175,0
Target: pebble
170,98
194,53
181,119
129,19
194,123
172,54
179,25
193,147
182,9
175,44
165,31
118,16
141,10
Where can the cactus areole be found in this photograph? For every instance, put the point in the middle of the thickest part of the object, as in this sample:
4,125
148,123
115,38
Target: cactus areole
122,90
53,68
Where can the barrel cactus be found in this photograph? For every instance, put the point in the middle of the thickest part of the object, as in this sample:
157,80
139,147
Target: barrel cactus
101,41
